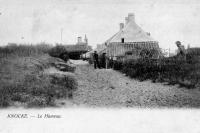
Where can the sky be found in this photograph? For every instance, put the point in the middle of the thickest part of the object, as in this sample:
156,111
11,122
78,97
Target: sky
34,21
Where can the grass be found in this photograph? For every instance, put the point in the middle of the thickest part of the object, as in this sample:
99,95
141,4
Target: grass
24,50
173,71
22,79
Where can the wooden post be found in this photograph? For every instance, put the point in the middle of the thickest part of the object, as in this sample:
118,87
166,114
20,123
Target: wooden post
107,56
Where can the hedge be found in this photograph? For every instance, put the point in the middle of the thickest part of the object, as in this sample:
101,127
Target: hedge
174,71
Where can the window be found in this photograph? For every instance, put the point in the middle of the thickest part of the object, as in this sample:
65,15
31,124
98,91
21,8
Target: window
122,40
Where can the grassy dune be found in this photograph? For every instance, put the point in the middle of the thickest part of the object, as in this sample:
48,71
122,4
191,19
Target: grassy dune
23,81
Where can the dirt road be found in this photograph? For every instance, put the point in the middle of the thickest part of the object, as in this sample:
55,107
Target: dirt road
109,88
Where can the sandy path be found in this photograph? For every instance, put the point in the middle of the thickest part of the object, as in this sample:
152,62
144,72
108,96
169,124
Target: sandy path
109,88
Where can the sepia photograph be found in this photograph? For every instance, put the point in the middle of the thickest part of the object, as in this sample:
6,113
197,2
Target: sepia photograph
106,66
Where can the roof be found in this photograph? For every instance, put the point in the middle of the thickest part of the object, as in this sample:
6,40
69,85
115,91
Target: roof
131,33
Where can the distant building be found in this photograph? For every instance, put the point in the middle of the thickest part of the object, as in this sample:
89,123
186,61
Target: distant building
80,42
129,38
80,46
78,50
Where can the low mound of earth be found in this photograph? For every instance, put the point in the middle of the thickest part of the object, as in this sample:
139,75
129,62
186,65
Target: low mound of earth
35,81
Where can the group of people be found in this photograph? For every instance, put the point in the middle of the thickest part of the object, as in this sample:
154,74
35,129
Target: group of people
99,61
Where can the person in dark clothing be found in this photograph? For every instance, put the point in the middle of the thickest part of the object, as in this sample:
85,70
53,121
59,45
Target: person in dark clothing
96,60
103,60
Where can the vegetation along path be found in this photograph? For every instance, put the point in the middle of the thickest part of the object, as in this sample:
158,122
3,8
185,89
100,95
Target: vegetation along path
109,88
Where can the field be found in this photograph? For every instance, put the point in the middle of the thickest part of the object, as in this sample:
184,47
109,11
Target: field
24,81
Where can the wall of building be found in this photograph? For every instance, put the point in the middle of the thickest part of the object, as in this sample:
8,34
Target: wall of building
119,49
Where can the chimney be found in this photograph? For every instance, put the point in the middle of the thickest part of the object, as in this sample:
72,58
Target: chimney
79,39
131,17
126,20
121,26
86,40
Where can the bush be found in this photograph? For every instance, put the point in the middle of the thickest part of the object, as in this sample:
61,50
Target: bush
68,82
74,55
23,81
23,50
38,91
57,51
38,102
64,56
171,70
117,65
28,85
4,98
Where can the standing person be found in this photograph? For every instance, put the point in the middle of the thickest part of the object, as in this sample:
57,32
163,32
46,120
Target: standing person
103,60
181,50
111,62
181,54
96,60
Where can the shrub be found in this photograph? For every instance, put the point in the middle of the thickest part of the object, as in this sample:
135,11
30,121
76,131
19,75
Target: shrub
22,79
4,98
64,56
117,65
68,82
171,70
74,55
20,97
57,51
23,50
38,91
38,102
35,87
